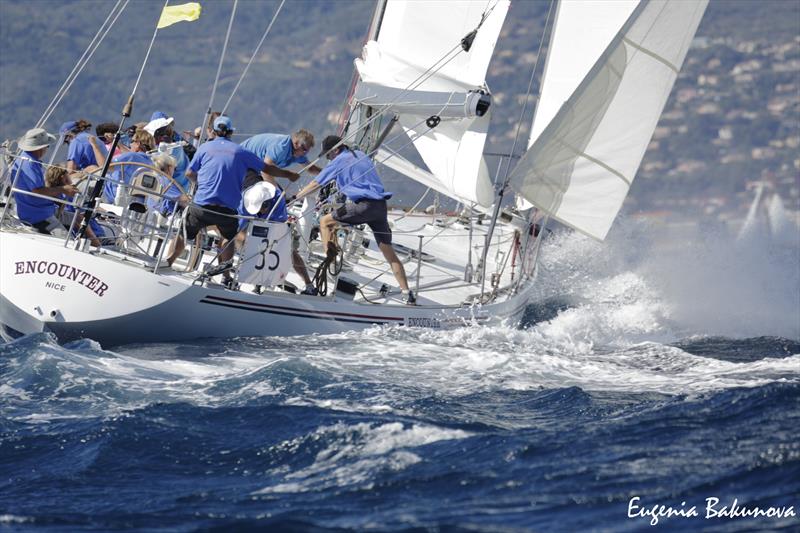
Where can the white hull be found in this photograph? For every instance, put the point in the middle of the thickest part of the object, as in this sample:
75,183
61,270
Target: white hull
45,286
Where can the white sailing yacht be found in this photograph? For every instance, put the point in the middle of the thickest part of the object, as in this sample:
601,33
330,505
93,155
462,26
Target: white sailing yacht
420,83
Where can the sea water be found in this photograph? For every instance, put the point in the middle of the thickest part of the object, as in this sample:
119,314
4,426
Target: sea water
647,383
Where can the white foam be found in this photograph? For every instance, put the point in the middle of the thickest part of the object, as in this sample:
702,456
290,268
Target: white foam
357,453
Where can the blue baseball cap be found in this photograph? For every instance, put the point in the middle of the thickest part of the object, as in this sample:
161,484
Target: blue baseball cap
224,121
67,127
157,115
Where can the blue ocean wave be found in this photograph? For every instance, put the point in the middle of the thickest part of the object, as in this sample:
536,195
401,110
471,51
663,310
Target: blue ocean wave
304,435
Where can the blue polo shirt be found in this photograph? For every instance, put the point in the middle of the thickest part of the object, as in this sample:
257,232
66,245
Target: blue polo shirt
277,147
355,177
220,165
124,173
30,176
280,214
80,151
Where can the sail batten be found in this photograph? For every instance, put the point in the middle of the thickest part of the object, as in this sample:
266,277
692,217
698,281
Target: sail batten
580,167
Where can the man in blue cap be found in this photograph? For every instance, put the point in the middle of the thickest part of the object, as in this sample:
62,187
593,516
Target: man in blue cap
219,168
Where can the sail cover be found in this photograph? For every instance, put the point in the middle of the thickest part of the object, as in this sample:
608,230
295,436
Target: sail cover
406,57
581,166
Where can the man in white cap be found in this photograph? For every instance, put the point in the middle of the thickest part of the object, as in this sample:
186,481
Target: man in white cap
27,174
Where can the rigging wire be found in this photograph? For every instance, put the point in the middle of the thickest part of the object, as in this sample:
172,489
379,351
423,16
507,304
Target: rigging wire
252,57
146,58
82,62
502,188
219,71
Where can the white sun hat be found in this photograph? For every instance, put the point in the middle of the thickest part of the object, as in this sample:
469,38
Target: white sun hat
154,125
258,194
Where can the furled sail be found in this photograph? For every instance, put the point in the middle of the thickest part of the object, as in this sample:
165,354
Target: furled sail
581,166
417,68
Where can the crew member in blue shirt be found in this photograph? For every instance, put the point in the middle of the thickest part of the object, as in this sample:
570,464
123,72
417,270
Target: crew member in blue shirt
27,174
161,128
76,135
219,167
283,151
357,179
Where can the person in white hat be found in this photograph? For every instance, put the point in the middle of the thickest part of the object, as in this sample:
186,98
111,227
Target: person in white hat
161,127
27,174
260,199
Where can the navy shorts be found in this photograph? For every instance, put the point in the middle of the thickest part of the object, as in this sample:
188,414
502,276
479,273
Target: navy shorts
369,212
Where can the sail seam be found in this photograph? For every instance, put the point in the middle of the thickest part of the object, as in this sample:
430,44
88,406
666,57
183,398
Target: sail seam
651,54
597,162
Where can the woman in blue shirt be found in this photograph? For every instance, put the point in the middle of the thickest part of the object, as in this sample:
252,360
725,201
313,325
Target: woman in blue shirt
76,135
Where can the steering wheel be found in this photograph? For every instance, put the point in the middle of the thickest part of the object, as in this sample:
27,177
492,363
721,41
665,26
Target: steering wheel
149,167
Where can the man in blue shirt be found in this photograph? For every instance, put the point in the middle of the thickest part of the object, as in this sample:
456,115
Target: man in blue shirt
27,174
283,151
271,208
76,135
357,179
161,128
219,167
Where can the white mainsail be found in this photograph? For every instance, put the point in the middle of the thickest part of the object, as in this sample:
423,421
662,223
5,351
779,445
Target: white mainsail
580,167
402,69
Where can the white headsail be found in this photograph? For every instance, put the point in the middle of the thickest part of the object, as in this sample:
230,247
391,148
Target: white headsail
580,167
416,66
582,31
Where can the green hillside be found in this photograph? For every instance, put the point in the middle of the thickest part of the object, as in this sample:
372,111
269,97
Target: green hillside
301,76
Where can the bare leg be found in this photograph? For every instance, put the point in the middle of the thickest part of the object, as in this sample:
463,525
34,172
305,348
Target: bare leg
397,267
89,231
226,254
177,248
326,228
300,267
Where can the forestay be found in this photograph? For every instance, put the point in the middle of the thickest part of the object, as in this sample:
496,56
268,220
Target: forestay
581,166
402,69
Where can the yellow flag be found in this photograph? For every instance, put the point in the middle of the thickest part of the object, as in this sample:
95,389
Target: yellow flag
173,14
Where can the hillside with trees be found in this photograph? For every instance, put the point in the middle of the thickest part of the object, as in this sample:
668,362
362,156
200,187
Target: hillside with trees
732,118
